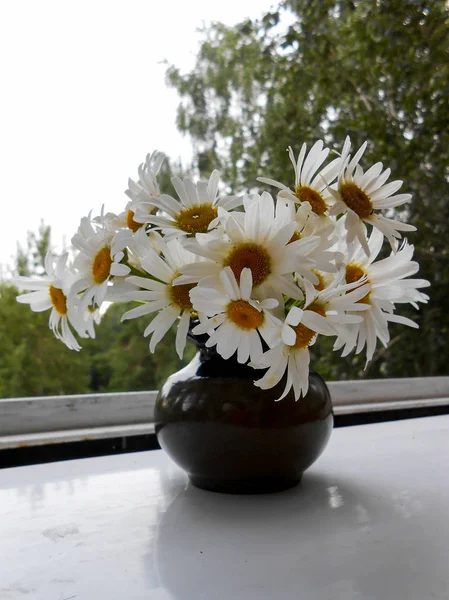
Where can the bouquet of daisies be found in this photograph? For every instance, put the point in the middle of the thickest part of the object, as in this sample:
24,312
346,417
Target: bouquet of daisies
260,277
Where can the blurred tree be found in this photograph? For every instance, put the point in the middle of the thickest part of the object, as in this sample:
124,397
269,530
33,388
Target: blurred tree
32,361
120,359
30,260
377,70
31,358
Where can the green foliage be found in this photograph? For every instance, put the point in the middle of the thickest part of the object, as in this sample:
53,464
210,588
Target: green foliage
376,70
120,359
31,259
33,362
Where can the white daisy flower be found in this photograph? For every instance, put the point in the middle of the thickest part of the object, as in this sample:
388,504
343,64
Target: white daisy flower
99,259
338,302
359,194
309,224
259,241
143,192
142,245
50,292
123,221
136,244
236,319
119,290
311,184
324,313
388,287
291,355
159,293
88,319
196,209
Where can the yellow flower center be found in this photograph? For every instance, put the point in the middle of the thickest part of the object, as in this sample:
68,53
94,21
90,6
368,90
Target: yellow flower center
244,315
304,335
197,218
320,286
353,274
253,257
180,295
101,267
58,300
307,194
356,199
133,225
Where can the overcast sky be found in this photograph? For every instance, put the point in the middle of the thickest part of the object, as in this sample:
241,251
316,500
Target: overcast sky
83,100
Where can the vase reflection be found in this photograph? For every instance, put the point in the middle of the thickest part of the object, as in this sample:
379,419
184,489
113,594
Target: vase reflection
329,538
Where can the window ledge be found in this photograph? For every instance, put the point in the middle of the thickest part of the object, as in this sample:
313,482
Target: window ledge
26,422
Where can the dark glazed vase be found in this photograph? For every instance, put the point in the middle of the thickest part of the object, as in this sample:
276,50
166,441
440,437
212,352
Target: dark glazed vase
231,436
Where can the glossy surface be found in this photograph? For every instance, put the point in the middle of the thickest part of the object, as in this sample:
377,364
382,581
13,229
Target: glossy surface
369,521
231,436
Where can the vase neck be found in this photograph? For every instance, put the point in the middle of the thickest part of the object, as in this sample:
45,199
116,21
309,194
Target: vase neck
211,364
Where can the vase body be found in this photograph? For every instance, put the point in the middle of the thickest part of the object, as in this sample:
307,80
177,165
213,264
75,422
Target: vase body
231,436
